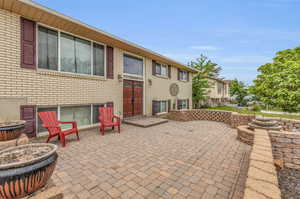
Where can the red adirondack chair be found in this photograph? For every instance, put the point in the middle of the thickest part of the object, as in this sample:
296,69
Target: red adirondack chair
108,119
51,123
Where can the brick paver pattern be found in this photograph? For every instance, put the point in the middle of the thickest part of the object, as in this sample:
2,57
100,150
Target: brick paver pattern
197,159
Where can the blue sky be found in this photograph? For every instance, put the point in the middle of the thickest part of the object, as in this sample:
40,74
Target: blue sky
239,35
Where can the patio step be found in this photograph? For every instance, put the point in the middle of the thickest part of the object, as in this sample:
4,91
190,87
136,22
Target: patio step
145,122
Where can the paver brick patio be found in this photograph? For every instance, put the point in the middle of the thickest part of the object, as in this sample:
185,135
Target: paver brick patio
197,159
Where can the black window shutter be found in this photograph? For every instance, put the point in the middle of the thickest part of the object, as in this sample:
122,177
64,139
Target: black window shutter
169,105
109,62
169,71
188,76
28,113
28,50
153,67
188,103
178,74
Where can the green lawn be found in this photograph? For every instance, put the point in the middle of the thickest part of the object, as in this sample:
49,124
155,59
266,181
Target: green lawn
245,111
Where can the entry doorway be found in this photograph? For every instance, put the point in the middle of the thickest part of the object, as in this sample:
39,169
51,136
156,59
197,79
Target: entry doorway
132,98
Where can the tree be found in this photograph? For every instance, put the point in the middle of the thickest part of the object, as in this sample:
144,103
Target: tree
239,91
278,83
206,66
206,69
200,86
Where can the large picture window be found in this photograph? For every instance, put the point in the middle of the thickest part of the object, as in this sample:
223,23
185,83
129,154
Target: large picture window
47,48
80,114
75,53
133,65
183,104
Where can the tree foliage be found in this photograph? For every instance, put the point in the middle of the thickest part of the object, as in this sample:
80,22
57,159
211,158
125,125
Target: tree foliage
206,66
200,86
239,91
278,83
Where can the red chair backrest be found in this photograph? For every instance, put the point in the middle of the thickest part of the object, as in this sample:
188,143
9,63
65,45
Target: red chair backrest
106,114
50,121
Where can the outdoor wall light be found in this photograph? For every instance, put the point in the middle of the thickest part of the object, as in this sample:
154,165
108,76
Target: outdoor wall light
150,82
120,77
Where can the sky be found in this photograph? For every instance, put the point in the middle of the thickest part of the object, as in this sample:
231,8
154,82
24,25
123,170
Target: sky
238,35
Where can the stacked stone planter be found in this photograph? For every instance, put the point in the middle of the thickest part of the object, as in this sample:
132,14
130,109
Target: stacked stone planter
11,134
25,169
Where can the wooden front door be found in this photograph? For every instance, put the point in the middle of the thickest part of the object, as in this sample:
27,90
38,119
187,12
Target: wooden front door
132,98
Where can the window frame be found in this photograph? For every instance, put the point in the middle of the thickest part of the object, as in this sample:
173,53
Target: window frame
161,65
160,106
134,56
59,31
180,76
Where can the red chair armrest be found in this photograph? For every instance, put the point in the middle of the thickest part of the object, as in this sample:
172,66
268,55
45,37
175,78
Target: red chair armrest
118,118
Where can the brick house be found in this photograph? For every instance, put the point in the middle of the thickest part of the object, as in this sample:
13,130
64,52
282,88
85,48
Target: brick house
50,61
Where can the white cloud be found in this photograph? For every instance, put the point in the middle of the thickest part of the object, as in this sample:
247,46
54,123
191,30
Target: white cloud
207,48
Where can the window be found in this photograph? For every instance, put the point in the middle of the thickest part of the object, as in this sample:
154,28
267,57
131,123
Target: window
96,112
183,104
47,48
133,65
40,128
163,106
75,53
220,87
80,114
98,59
161,69
183,75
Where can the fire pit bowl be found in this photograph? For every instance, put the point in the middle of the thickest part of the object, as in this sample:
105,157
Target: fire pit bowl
25,169
11,130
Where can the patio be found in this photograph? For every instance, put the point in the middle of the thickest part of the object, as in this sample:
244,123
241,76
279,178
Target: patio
198,159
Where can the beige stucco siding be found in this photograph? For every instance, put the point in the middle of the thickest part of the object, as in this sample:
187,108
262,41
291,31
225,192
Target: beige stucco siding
213,91
44,87
160,88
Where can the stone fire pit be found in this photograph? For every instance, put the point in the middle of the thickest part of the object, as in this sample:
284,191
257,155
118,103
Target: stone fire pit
246,132
11,129
25,169
265,124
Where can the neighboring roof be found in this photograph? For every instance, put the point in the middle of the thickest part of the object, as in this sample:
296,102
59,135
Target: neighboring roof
219,80
42,14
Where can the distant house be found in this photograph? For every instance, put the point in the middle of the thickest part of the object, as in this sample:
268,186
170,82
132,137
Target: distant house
218,94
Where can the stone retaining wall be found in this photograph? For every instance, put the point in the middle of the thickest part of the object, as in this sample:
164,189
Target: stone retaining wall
262,179
245,135
230,118
286,147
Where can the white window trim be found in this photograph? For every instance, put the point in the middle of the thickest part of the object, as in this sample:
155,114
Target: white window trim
59,51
